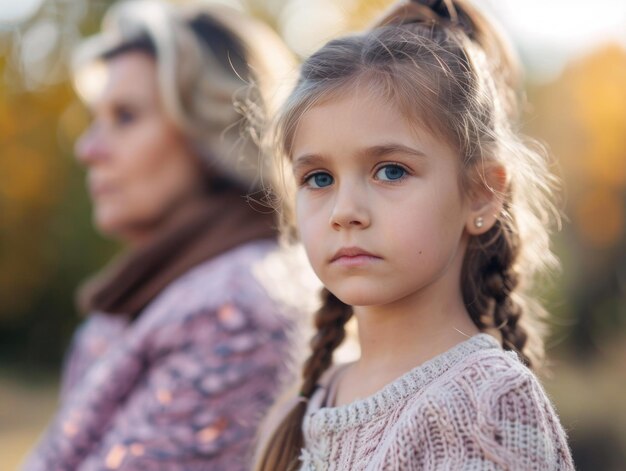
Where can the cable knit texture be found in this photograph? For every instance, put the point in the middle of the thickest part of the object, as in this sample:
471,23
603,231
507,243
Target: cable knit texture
475,407
182,387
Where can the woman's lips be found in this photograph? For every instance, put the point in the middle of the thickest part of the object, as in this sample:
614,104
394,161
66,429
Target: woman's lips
99,189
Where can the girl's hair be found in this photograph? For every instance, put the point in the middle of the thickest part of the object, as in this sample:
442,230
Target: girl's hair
447,69
211,61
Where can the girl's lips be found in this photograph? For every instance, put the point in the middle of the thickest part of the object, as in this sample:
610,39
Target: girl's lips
355,261
353,257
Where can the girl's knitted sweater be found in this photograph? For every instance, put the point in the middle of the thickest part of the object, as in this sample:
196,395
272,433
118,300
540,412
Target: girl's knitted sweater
474,407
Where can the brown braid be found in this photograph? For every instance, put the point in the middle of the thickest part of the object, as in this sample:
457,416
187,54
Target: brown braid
461,15
284,447
489,278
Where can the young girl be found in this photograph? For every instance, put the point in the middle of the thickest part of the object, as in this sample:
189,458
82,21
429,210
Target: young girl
425,215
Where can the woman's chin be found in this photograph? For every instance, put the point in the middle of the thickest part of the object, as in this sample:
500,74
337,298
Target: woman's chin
106,227
111,225
128,230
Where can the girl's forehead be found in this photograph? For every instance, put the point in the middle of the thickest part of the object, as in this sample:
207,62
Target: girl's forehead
356,125
365,111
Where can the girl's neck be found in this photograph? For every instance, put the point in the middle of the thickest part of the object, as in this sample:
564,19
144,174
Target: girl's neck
397,338
403,336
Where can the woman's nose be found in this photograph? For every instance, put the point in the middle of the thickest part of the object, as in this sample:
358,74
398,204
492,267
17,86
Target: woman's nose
350,209
91,147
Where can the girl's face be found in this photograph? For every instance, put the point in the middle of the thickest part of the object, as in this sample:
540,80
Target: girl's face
379,208
138,164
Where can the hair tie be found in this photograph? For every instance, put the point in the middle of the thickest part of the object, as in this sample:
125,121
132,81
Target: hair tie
443,8
430,3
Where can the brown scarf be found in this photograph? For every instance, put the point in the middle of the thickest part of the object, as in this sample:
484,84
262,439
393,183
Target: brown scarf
195,233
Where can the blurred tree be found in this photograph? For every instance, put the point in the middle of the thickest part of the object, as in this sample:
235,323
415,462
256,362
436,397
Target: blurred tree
582,116
47,244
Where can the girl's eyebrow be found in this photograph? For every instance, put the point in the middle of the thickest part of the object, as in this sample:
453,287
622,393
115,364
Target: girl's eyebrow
376,151
308,160
391,148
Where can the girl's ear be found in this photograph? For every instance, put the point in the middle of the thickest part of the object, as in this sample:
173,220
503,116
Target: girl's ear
486,199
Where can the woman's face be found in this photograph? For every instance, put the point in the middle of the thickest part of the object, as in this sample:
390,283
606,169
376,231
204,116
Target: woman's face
139,166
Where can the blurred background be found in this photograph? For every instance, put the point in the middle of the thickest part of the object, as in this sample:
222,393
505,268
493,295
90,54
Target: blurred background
575,56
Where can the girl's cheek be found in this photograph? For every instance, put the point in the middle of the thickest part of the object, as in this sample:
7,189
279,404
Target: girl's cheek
305,212
310,235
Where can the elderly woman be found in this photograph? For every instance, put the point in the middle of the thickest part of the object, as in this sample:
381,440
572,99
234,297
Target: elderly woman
188,330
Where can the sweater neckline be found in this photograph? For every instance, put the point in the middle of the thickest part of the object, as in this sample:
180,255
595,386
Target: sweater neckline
326,419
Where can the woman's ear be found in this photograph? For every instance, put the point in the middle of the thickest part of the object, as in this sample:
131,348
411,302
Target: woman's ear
486,199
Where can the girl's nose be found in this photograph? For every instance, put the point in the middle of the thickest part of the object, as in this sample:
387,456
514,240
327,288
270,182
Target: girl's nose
91,147
350,209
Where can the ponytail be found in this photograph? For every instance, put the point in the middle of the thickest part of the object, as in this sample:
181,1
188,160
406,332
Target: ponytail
283,449
461,16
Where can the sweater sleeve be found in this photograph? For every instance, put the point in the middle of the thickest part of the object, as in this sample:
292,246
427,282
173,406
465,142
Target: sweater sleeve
520,428
209,379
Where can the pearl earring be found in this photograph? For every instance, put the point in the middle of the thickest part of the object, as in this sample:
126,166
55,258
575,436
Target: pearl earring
479,222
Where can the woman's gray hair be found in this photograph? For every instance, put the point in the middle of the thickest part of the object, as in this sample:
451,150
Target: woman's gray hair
220,73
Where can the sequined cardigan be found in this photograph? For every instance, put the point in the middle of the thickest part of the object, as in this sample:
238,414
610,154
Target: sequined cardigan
184,385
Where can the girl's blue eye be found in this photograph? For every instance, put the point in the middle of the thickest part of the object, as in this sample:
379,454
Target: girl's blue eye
319,180
390,173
